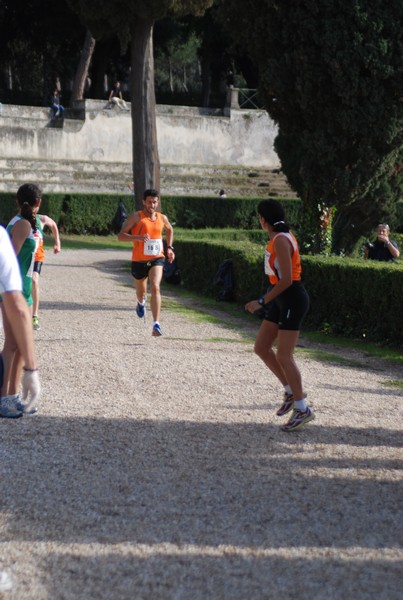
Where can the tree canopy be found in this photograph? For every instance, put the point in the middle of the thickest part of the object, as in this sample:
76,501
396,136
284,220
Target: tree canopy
331,77
133,22
41,40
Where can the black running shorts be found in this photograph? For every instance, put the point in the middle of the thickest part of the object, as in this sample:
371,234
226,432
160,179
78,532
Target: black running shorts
289,309
37,267
140,269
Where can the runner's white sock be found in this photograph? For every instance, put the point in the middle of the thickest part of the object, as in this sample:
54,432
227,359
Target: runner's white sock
300,405
287,389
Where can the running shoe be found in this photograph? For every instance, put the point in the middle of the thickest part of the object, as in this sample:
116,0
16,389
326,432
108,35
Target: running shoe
288,403
26,409
8,408
35,323
298,418
140,310
156,332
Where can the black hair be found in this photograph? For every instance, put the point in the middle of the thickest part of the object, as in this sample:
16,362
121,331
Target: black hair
273,213
151,192
28,195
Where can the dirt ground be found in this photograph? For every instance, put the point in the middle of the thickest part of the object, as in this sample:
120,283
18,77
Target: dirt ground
156,467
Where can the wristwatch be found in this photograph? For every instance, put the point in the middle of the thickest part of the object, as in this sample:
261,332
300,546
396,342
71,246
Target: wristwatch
170,248
261,301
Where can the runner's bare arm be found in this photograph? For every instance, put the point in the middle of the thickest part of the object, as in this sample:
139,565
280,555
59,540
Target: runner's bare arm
124,234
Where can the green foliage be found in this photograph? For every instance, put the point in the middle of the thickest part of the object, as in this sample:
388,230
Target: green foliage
257,236
355,297
347,296
89,213
199,262
330,76
46,32
176,57
399,216
79,213
196,212
8,207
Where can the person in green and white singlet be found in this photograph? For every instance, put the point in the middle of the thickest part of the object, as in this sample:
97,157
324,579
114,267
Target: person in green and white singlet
21,230
42,221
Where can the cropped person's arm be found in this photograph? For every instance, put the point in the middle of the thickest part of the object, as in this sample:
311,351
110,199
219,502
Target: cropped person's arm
124,234
48,222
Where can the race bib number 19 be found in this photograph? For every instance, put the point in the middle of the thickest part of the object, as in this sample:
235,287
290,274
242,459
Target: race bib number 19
153,247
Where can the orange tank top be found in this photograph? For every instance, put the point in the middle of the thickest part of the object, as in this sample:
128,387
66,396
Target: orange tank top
145,251
38,235
271,266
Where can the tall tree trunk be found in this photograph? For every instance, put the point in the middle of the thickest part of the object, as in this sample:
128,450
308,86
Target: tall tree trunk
146,166
81,75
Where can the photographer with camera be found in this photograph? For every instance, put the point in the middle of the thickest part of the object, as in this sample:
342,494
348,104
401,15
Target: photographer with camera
382,248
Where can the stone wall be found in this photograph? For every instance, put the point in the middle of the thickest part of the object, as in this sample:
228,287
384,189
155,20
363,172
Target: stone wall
185,135
91,149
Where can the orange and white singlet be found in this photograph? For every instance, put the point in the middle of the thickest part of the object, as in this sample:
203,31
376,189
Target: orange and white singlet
271,266
153,248
40,252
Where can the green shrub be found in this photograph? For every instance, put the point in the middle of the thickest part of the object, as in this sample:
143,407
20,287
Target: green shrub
257,236
90,213
195,212
357,298
8,207
94,213
399,216
350,297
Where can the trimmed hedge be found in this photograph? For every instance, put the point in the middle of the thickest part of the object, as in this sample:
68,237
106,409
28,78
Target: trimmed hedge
74,213
356,298
90,213
350,297
94,213
196,212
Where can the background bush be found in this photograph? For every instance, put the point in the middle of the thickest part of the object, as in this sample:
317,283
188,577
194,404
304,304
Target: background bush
351,297
94,213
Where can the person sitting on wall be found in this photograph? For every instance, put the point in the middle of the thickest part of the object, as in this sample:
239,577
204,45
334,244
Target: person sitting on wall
116,97
56,108
382,248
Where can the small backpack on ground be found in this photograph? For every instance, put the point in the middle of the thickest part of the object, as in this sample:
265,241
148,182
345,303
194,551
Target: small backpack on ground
120,217
225,279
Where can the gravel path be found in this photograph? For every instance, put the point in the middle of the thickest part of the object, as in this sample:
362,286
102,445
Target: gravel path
156,468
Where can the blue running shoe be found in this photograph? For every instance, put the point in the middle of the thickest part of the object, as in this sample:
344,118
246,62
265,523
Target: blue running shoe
156,332
8,408
140,310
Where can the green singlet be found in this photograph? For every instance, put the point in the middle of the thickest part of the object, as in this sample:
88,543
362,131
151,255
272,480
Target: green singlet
25,259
